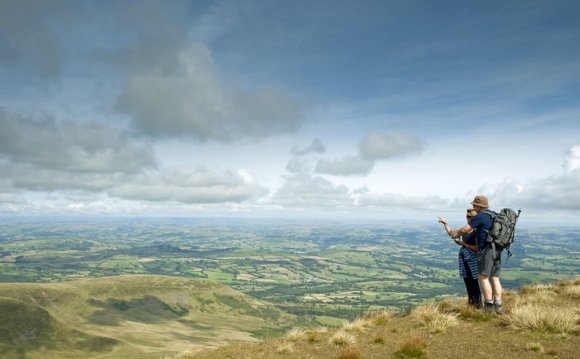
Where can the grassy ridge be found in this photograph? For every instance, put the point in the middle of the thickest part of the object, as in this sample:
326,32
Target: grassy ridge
121,316
541,321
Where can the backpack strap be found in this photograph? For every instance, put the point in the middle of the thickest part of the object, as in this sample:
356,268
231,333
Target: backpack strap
492,214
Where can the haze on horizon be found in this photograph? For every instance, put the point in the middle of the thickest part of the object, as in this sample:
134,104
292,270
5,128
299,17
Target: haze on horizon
367,109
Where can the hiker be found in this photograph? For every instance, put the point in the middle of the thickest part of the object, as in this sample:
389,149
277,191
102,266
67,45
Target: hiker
467,260
488,258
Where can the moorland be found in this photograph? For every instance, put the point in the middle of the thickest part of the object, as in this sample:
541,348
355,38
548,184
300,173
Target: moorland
289,273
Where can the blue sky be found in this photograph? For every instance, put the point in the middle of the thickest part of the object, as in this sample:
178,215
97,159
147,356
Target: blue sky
289,108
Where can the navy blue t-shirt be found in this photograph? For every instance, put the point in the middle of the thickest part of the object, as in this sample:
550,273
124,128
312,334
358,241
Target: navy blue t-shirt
469,238
481,223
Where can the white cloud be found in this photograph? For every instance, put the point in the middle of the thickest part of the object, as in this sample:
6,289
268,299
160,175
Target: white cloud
304,191
557,192
199,184
377,146
192,100
572,160
346,166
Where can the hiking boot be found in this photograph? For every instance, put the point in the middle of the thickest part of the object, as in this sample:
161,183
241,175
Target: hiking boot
488,307
498,309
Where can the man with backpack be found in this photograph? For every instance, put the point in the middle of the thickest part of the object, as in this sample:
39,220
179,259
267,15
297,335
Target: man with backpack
488,256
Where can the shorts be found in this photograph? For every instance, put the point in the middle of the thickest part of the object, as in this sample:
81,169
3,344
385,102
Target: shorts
486,264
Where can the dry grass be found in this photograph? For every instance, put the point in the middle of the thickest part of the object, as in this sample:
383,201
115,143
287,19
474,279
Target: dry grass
545,308
315,335
522,332
379,339
356,326
535,347
285,348
379,318
544,319
341,337
415,347
295,335
429,316
350,353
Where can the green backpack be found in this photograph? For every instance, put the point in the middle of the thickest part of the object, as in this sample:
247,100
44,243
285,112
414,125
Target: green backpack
502,233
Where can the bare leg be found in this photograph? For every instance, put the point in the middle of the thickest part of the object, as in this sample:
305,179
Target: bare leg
486,287
496,287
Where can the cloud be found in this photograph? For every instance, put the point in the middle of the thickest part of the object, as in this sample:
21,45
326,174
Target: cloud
390,201
199,184
192,100
316,147
572,160
33,178
378,146
557,192
303,191
70,146
346,166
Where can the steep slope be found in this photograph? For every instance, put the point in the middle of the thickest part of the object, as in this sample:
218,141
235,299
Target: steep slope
541,321
25,328
122,316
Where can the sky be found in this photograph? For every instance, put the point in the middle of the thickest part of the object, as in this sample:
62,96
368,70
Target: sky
306,109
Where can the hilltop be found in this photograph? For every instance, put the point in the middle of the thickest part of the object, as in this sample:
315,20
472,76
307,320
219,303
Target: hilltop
118,317
541,321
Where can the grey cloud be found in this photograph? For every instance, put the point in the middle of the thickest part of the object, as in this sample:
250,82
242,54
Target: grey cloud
377,146
312,192
557,192
316,147
191,185
346,166
192,100
33,178
71,146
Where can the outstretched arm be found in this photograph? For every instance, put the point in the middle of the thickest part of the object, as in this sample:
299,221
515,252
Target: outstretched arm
462,231
448,229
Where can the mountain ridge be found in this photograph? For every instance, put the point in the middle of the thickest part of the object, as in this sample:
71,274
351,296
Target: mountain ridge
117,316
541,320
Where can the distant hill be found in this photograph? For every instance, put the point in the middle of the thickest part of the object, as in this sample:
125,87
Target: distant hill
541,321
116,317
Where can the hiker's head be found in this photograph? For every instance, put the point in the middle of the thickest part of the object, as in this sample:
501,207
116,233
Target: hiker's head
469,214
480,203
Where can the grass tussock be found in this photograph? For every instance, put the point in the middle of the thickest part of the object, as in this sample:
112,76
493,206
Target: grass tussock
315,335
415,347
341,337
547,308
544,319
430,316
350,353
285,348
356,326
379,318
295,335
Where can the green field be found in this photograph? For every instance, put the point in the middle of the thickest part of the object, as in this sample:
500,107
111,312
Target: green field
313,270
